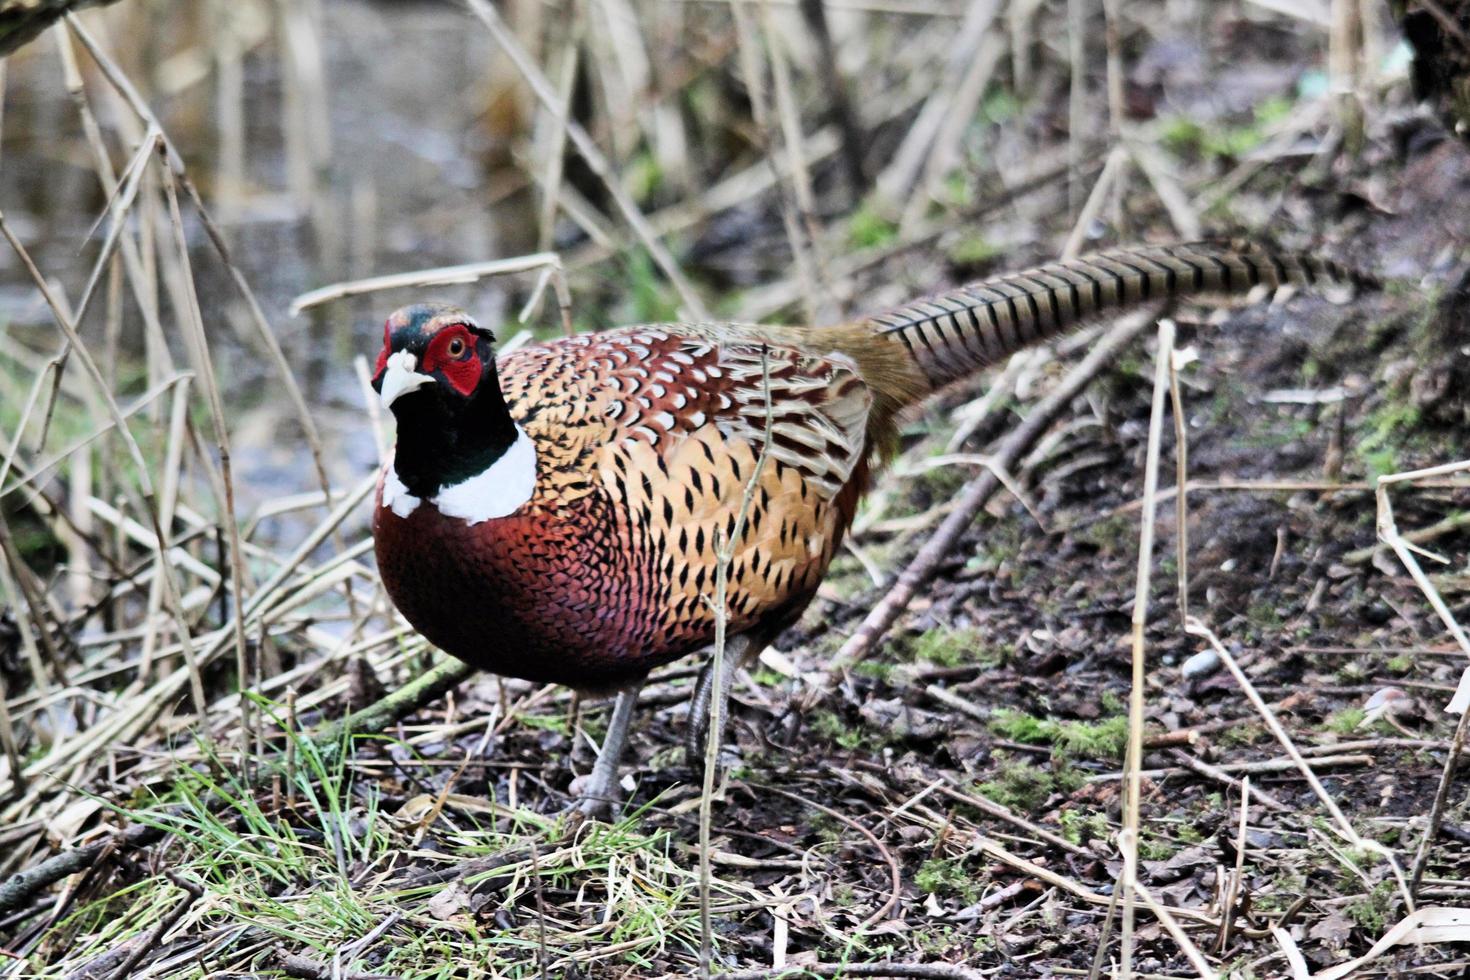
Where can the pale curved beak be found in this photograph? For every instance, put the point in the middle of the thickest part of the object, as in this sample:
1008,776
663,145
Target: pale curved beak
400,377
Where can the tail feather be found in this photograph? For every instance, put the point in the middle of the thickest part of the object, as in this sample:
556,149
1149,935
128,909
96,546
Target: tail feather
955,333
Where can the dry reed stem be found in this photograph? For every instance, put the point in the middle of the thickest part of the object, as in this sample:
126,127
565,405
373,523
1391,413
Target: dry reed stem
753,69
1076,102
1181,485
724,556
554,150
594,157
1111,172
897,179
1133,789
1175,931
789,115
193,318
172,596
448,275
1344,827
944,154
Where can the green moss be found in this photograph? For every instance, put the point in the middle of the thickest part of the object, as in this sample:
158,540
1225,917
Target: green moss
1184,136
1242,735
1152,847
869,229
1371,911
947,877
952,648
1103,739
974,250
829,726
1019,786
1400,664
1346,721
1387,431
1079,827
1110,534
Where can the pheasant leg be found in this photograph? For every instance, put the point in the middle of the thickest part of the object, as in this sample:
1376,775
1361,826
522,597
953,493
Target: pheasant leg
599,791
737,650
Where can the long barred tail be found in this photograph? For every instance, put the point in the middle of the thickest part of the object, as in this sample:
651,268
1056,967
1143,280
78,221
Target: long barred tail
955,333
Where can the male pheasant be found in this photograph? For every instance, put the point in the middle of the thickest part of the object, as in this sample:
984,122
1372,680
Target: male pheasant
554,515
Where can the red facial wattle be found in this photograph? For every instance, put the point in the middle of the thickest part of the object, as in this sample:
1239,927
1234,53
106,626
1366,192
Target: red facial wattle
383,354
454,354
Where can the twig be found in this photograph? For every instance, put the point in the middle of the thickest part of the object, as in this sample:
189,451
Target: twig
1132,798
1221,776
145,945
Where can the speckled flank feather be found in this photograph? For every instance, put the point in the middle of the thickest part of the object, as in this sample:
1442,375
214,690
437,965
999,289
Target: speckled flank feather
645,438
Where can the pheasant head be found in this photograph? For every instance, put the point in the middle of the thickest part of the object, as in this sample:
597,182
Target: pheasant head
436,373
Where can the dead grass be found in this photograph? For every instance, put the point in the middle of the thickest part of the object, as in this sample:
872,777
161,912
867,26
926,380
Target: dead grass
175,645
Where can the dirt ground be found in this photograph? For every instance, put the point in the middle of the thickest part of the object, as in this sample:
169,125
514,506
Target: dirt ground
952,802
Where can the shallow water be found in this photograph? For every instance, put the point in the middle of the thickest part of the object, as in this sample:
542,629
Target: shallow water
411,171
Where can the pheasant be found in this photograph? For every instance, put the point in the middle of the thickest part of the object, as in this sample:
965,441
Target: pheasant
555,514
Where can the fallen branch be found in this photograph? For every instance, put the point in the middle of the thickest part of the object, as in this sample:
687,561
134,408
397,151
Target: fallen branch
978,493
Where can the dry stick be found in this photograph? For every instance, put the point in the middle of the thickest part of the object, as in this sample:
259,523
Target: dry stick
132,261
194,334
1076,102
594,157
1237,876
1176,931
952,130
118,207
1419,536
1388,532
1223,776
895,878
172,463
1132,800
899,176
969,504
1112,12
174,163
1181,487
814,12
1344,39
725,556
192,894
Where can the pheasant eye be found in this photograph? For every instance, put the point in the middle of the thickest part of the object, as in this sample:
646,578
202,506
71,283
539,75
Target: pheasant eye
456,347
